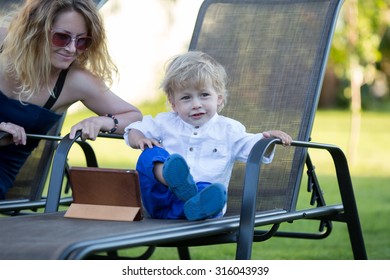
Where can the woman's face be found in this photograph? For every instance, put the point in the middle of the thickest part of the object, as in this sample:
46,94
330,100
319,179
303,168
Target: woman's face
67,23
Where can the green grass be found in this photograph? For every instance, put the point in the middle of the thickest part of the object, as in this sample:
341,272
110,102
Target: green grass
370,171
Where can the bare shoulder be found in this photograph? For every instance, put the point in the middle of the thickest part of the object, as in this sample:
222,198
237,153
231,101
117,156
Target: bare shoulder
82,85
82,81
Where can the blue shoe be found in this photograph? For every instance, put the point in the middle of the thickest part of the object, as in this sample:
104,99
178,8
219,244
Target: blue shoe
207,203
177,175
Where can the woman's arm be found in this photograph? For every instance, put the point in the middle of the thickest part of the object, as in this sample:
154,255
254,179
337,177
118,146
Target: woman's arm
98,98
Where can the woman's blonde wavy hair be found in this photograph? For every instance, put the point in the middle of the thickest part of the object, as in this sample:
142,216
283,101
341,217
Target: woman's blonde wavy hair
27,46
195,69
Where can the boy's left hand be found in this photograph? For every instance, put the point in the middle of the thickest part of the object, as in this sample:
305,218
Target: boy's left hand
284,137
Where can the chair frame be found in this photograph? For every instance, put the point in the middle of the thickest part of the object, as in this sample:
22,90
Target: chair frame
34,200
239,229
243,234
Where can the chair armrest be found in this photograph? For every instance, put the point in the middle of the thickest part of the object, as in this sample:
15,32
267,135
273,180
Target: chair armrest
110,135
59,165
341,168
252,177
58,169
249,195
5,137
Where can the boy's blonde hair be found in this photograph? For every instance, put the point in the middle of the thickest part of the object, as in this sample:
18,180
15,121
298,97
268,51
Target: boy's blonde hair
195,69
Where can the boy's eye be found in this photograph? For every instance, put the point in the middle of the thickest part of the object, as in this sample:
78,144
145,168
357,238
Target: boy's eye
185,97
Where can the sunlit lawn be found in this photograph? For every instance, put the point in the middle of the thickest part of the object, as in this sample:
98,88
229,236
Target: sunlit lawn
370,175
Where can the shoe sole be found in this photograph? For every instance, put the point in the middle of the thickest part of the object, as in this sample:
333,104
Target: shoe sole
207,203
177,175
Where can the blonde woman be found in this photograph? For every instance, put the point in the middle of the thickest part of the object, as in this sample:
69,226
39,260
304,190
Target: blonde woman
54,54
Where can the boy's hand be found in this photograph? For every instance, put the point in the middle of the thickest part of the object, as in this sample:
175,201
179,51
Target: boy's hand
147,143
137,140
284,137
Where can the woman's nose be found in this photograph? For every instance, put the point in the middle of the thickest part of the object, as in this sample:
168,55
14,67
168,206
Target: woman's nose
71,47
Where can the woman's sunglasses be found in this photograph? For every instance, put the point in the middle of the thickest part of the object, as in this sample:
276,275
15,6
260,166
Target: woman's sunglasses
62,40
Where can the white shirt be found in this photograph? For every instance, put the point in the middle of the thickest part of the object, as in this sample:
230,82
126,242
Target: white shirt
210,150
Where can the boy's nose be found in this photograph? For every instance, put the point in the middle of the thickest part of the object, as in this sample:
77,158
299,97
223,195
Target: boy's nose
196,103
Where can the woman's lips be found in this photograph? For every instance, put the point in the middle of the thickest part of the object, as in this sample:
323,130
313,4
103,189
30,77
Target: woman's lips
66,57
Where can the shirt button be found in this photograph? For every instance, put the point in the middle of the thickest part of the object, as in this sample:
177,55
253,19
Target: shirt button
197,126
191,149
215,150
195,133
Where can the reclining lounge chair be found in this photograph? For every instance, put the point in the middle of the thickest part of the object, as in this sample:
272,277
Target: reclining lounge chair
275,53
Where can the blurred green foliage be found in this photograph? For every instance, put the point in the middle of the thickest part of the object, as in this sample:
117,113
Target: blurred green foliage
361,50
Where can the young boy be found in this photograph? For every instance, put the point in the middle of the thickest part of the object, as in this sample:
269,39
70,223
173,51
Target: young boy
188,154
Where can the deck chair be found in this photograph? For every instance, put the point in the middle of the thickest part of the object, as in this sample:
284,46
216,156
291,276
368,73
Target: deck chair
27,195
27,192
275,53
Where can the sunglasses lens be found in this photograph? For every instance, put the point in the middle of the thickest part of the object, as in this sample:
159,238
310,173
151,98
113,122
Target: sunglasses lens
61,39
83,43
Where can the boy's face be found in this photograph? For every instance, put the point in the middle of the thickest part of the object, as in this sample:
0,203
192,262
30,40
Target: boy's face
196,106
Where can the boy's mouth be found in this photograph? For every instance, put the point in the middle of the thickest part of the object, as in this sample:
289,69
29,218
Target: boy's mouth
197,115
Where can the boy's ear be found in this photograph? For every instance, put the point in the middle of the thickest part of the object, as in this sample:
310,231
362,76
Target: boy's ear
220,99
172,103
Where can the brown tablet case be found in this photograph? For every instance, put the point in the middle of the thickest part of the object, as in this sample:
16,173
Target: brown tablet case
105,194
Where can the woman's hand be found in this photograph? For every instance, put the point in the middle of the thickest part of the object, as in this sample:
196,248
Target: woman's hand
18,134
91,127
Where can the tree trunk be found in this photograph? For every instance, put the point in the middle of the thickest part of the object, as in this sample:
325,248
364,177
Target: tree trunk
356,77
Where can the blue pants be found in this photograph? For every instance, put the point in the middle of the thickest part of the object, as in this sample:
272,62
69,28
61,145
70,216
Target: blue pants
158,200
